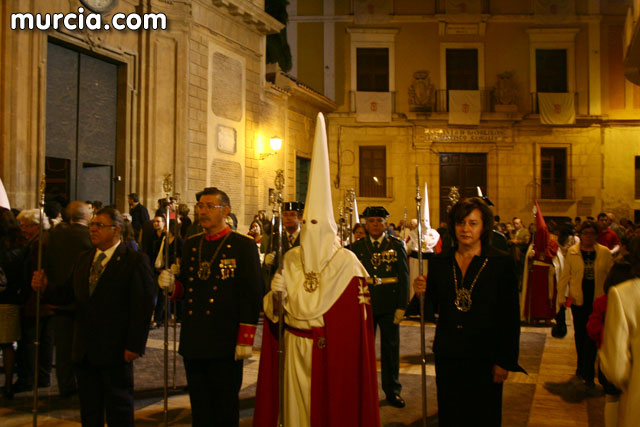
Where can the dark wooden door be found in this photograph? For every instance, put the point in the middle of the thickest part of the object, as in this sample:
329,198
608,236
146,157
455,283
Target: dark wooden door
81,124
464,171
373,171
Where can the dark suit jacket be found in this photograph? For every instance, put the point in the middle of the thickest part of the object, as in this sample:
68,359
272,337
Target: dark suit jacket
386,298
139,215
491,328
118,314
66,243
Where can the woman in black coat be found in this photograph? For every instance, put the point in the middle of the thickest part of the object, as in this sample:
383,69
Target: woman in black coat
474,288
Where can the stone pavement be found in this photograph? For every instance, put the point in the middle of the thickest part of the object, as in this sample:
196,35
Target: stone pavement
529,400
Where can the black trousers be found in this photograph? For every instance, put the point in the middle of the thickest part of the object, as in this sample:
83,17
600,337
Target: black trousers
214,385
105,389
467,395
585,347
389,352
63,338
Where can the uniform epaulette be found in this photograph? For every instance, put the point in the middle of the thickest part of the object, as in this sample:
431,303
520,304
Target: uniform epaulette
195,235
396,238
243,235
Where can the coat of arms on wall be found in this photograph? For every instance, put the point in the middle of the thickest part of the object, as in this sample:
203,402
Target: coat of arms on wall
421,92
505,94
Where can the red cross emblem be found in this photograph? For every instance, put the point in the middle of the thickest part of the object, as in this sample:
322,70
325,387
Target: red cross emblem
465,108
557,108
374,106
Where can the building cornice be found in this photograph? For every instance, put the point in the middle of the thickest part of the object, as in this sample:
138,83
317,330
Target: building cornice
251,14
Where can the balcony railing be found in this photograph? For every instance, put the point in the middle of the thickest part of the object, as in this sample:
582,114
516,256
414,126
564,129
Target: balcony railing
533,102
442,100
374,188
559,190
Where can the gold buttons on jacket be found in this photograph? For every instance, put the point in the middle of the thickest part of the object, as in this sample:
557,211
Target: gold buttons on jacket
190,268
190,300
190,312
207,312
211,300
190,289
191,279
215,288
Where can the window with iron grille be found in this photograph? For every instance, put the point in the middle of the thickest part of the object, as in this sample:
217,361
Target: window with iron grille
373,171
372,69
553,173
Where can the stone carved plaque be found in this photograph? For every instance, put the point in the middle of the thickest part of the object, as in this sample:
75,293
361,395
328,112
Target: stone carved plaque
227,87
421,92
226,139
227,176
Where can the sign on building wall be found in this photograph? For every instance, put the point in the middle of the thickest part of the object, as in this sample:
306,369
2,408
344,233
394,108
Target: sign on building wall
467,135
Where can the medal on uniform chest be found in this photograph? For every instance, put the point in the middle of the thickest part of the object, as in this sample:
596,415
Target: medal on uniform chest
204,267
204,270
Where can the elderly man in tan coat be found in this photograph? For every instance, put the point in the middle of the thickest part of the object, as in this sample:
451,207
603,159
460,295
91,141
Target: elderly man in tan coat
621,346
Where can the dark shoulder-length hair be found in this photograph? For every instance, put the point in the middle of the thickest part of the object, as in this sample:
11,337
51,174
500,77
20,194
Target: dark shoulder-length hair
462,209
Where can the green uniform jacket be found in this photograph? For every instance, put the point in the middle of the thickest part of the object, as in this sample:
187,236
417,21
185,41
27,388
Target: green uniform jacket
388,261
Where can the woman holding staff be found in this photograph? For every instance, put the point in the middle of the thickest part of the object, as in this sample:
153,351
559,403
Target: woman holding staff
474,288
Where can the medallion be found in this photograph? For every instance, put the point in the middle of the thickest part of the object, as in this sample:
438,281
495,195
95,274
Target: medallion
463,300
311,281
204,270
376,259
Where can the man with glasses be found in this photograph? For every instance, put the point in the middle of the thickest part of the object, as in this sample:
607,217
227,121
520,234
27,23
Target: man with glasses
221,290
113,292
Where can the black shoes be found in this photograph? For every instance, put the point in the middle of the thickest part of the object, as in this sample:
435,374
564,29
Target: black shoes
395,400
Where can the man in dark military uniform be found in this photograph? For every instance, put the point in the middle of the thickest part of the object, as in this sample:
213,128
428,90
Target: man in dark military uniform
291,218
385,259
222,290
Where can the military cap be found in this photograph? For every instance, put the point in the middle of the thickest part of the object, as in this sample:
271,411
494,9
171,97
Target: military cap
372,211
293,206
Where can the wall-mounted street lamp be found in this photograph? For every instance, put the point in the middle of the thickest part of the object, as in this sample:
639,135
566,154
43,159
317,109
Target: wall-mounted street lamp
276,144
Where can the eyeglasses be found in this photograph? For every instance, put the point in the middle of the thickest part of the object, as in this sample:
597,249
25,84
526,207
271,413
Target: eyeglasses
588,233
208,206
100,225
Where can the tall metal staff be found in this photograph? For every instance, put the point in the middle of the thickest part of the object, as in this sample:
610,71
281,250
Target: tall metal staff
423,352
37,337
175,306
279,183
167,185
350,200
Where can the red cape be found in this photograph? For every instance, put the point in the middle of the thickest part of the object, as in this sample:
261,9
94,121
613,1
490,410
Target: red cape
344,382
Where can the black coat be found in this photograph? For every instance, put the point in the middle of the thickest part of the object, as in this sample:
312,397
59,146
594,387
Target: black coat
139,215
118,313
385,298
66,243
491,328
214,308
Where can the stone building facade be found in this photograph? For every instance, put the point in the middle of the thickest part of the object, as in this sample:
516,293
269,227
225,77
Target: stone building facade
108,112
579,167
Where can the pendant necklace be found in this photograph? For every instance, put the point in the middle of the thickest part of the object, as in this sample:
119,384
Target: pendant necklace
312,279
204,267
463,295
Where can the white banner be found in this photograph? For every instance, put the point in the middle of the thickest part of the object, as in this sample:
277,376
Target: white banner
4,200
556,108
373,107
464,107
